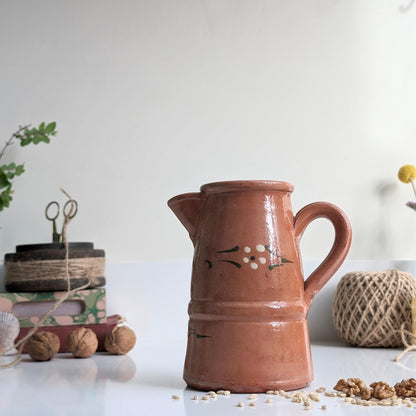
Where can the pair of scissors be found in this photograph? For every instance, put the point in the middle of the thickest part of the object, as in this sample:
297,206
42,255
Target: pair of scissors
69,211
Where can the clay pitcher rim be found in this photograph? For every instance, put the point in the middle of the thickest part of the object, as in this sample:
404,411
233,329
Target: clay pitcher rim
242,185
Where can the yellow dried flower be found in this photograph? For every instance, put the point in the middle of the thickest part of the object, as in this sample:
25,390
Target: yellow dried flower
407,173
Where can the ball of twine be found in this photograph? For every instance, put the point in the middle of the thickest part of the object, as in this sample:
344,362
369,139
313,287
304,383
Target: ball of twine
369,308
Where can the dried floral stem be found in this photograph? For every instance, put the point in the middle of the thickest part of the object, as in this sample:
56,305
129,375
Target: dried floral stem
413,185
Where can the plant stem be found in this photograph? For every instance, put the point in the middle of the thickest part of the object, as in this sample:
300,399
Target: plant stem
413,186
9,142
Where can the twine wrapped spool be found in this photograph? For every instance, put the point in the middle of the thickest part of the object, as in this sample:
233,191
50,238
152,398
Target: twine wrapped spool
370,307
43,267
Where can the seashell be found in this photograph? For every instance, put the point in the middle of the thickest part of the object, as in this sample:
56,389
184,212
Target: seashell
9,330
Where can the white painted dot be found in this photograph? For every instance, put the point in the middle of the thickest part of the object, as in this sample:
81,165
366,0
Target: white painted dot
254,266
262,260
247,249
260,248
245,259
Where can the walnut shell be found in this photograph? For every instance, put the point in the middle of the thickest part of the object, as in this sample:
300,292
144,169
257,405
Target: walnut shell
43,345
82,342
120,340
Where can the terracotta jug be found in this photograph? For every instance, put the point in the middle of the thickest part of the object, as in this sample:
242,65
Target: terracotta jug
249,301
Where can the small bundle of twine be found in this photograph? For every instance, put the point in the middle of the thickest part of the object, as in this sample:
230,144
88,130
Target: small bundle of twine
373,309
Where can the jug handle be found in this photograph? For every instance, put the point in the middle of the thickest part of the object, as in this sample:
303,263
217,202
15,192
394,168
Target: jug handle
342,242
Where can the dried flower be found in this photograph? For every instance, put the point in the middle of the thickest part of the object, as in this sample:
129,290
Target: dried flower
407,174
411,204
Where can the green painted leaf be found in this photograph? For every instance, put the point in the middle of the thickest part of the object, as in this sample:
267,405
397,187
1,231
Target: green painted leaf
286,260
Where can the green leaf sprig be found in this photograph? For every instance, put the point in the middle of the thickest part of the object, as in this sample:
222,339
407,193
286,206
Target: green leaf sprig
25,135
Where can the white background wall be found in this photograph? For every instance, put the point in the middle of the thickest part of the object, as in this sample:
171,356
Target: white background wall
154,98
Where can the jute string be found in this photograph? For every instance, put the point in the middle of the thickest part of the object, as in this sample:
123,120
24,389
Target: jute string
43,270
408,347
373,309
20,344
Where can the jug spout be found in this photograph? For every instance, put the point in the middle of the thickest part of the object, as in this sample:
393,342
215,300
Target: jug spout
186,207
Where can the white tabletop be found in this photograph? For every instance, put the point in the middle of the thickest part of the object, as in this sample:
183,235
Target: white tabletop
143,382
154,298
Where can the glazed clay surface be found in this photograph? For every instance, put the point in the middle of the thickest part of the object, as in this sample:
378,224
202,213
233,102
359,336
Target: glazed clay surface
249,300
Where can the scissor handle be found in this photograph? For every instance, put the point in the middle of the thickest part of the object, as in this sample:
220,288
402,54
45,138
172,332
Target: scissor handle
58,210
69,204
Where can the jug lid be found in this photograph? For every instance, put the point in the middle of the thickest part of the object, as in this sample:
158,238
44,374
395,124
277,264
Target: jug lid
245,185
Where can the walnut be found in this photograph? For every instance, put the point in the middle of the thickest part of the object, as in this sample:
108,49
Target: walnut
366,394
43,345
82,342
354,387
120,340
351,386
382,390
406,388
359,383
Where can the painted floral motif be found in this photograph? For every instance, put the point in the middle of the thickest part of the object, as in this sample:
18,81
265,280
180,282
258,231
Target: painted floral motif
254,257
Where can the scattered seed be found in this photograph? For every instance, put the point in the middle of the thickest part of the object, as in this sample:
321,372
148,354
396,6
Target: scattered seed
227,393
308,407
316,397
252,396
269,392
175,396
324,407
205,397
269,401
252,404
240,404
220,392
196,398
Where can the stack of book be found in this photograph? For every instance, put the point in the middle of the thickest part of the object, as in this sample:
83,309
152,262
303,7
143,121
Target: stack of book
82,308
